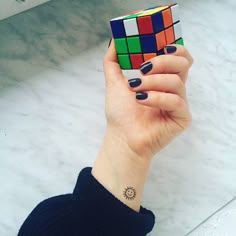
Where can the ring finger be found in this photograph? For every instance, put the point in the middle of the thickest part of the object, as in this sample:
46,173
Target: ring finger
168,83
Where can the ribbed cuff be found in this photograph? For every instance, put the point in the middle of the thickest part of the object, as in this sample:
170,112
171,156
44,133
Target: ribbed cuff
117,217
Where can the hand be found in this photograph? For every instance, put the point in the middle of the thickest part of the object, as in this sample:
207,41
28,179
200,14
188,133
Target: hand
149,124
137,129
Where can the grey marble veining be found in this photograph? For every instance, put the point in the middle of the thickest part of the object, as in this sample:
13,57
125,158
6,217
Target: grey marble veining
52,119
222,222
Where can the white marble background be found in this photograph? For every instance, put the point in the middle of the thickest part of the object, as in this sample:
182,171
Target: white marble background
220,223
52,119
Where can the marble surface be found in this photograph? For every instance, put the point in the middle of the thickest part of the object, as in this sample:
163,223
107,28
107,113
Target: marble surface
222,222
52,119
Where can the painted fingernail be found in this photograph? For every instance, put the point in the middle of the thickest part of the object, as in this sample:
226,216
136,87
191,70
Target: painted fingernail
146,67
134,82
170,49
109,43
141,96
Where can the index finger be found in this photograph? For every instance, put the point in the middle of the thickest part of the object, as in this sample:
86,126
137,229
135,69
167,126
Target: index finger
179,50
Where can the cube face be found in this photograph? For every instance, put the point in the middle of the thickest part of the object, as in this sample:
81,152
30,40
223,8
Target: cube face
143,34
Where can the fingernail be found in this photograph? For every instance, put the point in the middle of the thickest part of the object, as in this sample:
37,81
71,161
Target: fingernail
146,67
170,49
134,82
141,96
109,43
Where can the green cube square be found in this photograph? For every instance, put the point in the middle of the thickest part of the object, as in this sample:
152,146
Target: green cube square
124,61
134,45
179,41
121,45
132,16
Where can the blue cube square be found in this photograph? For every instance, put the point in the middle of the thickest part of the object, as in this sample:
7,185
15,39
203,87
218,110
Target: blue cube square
148,43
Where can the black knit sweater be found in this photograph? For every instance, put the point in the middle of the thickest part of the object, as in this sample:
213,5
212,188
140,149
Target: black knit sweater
90,211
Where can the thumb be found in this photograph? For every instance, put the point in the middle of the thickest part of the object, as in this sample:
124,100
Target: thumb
111,67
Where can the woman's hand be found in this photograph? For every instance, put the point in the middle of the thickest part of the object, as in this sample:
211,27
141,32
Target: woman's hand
143,115
148,112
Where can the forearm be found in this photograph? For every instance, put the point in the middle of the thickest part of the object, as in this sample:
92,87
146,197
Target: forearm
121,171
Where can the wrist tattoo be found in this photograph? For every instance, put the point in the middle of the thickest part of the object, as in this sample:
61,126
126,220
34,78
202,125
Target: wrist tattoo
130,193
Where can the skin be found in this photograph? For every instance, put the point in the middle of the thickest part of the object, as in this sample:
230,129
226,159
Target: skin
138,129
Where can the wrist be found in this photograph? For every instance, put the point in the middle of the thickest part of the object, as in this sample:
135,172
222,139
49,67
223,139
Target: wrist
117,167
116,148
133,143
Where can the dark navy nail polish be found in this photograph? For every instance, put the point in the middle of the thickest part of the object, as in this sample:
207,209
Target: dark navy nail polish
146,67
141,96
134,82
109,43
170,49
161,52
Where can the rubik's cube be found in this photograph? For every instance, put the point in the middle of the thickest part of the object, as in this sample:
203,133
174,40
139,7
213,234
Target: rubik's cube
142,35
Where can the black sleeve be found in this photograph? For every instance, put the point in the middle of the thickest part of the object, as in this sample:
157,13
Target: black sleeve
90,211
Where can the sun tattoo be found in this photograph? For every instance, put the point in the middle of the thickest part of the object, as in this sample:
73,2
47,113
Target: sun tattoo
130,193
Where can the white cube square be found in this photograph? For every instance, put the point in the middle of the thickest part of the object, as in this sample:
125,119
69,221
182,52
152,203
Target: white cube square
175,13
131,27
177,31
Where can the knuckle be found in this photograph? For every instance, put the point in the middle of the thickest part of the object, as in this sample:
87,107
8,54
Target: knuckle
181,50
178,101
178,83
185,63
185,53
191,60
